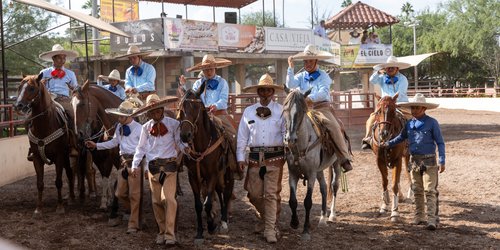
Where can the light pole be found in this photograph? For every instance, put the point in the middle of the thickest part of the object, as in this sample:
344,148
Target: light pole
414,23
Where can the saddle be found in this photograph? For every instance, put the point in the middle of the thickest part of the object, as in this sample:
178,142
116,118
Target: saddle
327,143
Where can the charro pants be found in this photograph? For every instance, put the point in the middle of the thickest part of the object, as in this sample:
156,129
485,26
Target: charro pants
424,185
164,203
128,191
335,131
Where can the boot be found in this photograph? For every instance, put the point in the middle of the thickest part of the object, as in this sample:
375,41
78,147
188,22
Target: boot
365,143
347,166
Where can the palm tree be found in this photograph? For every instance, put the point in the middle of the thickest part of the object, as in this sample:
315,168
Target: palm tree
407,9
346,3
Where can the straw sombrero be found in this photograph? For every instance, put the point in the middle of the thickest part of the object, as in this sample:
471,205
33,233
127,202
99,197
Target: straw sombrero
392,61
134,51
311,52
57,49
126,108
153,102
418,100
209,62
114,75
265,81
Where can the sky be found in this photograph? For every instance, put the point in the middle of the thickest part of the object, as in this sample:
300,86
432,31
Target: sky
295,14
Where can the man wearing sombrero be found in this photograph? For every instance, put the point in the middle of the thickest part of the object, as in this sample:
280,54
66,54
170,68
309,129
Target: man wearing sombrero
140,77
318,82
127,134
390,81
113,80
215,98
423,135
159,141
262,129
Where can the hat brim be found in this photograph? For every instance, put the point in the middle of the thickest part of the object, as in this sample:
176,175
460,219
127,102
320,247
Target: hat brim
320,56
107,78
219,63
400,65
253,88
133,54
159,104
47,56
418,104
116,111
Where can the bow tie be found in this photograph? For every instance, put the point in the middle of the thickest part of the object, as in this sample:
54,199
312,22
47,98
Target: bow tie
212,84
158,129
125,130
312,76
57,73
391,80
136,70
112,88
263,112
416,124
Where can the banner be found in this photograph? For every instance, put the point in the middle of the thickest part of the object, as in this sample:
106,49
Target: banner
123,11
183,34
146,34
327,45
285,40
364,55
235,36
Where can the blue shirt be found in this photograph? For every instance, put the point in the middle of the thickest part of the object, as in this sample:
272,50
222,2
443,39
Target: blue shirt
120,91
423,135
59,86
144,82
218,96
320,86
400,86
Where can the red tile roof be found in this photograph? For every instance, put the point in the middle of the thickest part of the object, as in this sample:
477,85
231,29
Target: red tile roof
214,3
360,15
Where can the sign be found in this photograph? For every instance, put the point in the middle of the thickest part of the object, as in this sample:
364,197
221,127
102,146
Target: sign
364,55
234,36
327,45
285,40
119,10
146,34
183,34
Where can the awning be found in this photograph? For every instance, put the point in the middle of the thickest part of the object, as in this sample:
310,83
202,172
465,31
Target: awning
212,3
92,21
416,59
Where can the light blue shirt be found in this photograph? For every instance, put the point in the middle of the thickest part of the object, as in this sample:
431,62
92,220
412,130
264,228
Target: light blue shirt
120,91
144,82
218,96
320,87
59,86
400,86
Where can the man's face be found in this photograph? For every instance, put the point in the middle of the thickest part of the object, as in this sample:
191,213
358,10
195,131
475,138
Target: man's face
322,23
59,60
310,65
124,119
265,93
418,111
209,73
391,71
134,60
113,82
156,114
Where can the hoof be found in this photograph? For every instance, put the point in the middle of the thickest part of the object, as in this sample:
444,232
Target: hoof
332,218
382,211
294,223
103,206
224,228
199,242
213,230
92,195
60,210
37,214
394,219
114,222
306,237
322,221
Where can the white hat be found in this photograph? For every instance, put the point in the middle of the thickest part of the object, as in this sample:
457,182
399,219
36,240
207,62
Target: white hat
266,81
153,102
114,75
133,50
57,49
126,108
392,61
210,62
418,100
311,52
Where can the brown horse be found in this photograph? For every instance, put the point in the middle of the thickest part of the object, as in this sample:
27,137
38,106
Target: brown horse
48,135
92,123
388,124
206,162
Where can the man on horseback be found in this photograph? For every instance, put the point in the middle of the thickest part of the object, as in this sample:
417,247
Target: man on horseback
391,81
127,134
215,98
262,129
319,82
113,85
159,141
140,77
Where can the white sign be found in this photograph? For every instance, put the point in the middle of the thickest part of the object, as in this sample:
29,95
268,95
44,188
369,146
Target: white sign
327,45
282,39
373,54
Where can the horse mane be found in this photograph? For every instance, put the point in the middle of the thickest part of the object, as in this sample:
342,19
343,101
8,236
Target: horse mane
298,98
387,101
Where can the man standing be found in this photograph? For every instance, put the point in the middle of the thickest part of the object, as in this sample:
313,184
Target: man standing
262,129
318,81
320,30
113,85
140,77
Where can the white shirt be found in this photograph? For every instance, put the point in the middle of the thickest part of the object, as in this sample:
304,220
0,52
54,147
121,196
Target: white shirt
254,131
320,31
155,147
127,143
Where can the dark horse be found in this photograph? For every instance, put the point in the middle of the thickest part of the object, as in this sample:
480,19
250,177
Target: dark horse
206,161
48,135
388,124
92,123
306,159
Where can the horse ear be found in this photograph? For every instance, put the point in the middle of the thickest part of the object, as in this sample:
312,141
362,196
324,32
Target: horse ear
378,97
287,90
307,92
86,85
39,78
201,89
395,97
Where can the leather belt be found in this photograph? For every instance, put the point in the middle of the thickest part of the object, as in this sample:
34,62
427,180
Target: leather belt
424,156
126,160
164,165
267,149
323,104
220,112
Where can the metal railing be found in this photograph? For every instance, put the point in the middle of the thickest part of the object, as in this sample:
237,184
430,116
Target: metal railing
9,121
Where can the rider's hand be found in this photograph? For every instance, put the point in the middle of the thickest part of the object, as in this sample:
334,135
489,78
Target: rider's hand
136,172
90,145
309,102
182,80
242,165
290,62
212,108
131,91
441,168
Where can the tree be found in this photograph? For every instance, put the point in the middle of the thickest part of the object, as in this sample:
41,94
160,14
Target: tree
346,3
407,9
255,18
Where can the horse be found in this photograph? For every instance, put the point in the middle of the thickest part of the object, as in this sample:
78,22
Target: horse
92,123
388,124
205,161
48,134
306,160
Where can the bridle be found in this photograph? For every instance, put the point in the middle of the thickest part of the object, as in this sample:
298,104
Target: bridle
89,121
193,125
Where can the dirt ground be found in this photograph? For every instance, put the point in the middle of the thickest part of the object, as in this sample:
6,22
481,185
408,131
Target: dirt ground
469,210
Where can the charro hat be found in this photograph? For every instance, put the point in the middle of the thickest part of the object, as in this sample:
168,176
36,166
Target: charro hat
57,49
312,52
266,81
133,50
153,102
126,108
392,61
209,62
114,75
418,100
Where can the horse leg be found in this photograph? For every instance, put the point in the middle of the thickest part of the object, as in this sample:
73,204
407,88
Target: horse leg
308,205
59,183
90,176
292,182
396,174
37,162
385,183
322,188
193,181
113,219
211,226
333,187
226,200
70,175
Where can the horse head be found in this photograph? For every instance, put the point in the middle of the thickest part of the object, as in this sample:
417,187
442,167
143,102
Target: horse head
86,117
385,116
294,110
191,114
30,91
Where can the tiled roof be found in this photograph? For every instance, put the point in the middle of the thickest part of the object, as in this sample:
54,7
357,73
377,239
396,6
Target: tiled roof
360,15
214,3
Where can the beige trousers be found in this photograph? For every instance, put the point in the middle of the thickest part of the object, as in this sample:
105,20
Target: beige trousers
164,203
425,188
129,193
335,131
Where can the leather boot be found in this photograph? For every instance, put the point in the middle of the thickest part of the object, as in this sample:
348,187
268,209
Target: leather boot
365,143
347,166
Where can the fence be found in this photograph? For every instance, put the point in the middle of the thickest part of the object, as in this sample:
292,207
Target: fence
10,124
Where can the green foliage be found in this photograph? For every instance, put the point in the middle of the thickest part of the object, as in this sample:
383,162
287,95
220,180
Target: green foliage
346,3
255,18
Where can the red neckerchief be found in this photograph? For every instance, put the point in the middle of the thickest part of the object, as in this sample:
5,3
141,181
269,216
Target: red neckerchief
158,129
58,73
